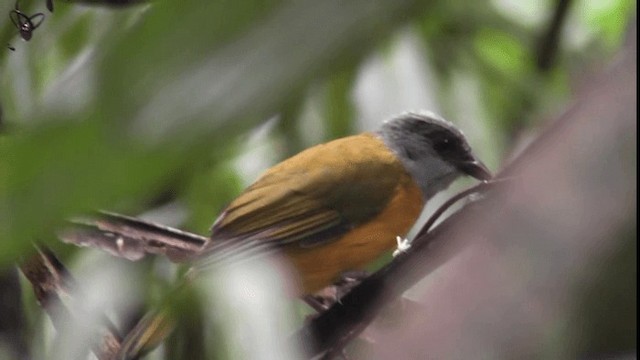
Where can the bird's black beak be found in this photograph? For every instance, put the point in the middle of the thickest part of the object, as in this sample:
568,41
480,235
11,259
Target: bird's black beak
476,169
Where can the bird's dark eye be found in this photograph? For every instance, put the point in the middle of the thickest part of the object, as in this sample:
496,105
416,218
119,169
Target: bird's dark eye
444,145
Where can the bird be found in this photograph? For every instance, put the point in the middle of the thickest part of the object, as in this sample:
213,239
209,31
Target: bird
337,206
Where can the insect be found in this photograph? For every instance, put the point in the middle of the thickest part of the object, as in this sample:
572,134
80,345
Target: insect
24,23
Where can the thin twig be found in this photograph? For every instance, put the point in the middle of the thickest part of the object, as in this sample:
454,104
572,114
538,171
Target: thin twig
483,186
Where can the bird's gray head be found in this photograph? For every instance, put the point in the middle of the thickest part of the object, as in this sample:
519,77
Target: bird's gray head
433,150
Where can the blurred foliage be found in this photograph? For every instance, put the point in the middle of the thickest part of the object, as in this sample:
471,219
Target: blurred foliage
116,108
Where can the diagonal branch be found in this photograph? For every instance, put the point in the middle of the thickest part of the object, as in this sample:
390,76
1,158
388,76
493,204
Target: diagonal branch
51,283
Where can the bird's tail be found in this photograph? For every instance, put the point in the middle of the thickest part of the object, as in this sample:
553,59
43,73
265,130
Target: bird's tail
150,332
133,239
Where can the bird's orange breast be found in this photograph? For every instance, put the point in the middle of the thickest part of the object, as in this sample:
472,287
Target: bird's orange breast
321,266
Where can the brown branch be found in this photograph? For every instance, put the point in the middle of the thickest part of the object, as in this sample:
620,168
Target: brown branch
51,283
132,238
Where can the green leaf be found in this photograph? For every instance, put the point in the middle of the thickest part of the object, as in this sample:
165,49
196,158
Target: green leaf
502,51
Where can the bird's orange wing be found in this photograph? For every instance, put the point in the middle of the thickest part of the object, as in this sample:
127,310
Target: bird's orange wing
315,196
